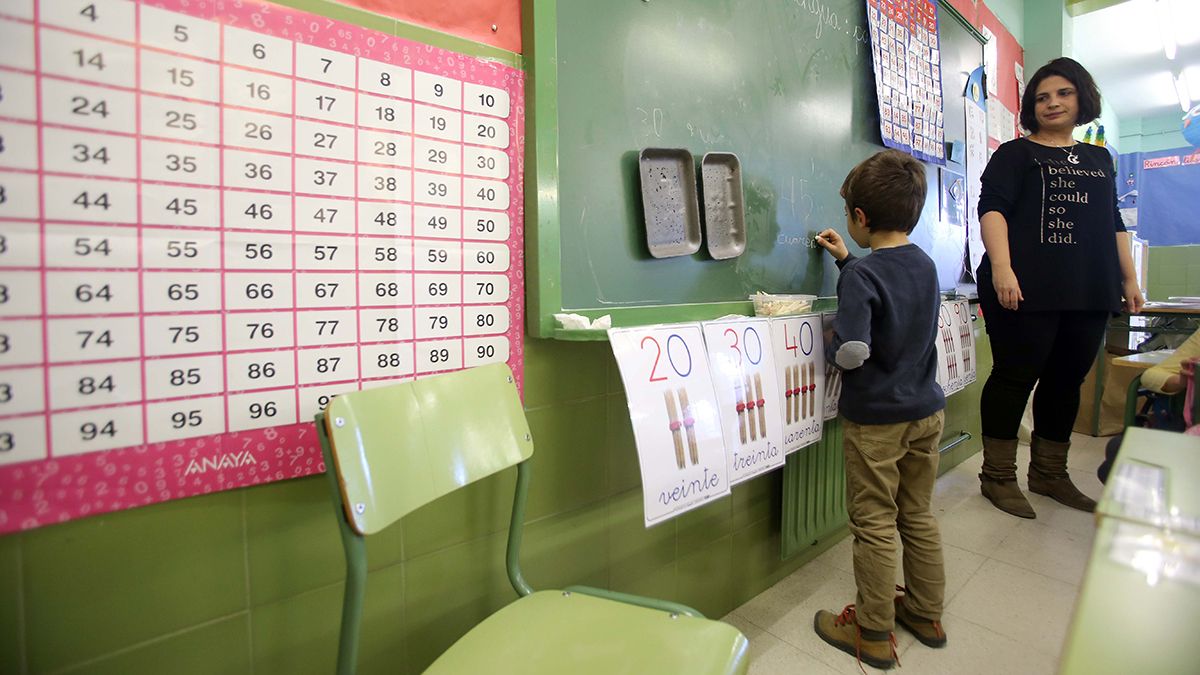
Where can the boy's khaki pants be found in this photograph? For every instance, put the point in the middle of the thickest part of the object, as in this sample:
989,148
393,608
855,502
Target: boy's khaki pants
890,469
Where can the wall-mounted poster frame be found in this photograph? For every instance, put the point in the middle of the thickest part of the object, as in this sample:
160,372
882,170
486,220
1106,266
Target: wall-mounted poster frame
229,212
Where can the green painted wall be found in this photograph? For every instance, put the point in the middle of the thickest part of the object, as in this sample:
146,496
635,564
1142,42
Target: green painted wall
1012,14
1174,270
249,581
1048,33
1147,134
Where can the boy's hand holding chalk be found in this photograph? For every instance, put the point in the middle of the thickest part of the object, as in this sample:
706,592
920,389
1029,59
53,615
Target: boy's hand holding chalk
831,241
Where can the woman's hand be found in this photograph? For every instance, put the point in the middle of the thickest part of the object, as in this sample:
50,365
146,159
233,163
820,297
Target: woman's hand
1132,295
1004,280
832,241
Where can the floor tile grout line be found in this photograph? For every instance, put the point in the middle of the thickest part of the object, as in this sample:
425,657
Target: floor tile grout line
950,598
1074,585
986,629
1002,632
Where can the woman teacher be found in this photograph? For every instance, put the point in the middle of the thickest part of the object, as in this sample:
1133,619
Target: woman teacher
1058,265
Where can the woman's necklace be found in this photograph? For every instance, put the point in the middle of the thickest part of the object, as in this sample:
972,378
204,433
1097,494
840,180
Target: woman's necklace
1070,150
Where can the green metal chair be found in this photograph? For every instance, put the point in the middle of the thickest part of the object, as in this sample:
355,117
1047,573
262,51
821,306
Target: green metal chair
391,450
1131,399
1135,392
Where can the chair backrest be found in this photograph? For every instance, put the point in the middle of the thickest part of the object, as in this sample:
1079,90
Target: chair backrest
399,447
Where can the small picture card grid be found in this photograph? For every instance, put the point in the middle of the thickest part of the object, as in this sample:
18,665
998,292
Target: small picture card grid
799,346
674,411
962,319
955,347
743,373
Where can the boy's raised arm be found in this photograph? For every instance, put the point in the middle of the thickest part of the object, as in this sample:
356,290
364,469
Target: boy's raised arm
851,343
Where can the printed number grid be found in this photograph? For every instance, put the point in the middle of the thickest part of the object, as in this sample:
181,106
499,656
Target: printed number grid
205,229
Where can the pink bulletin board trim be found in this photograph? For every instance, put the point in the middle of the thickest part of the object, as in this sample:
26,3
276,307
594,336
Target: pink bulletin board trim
59,489
472,19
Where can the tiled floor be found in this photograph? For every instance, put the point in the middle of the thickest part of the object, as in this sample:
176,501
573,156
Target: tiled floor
1010,586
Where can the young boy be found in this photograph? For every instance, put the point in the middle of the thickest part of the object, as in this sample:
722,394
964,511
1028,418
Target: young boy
883,338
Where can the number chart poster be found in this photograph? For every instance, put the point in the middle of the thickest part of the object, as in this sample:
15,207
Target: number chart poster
748,397
675,415
214,216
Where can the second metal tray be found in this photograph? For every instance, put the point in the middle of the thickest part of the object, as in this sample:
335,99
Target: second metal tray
724,217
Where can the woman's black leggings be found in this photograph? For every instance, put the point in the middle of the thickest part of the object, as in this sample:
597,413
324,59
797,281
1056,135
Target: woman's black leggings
1053,350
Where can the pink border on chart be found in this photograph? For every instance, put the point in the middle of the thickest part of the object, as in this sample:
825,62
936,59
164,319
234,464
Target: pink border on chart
43,492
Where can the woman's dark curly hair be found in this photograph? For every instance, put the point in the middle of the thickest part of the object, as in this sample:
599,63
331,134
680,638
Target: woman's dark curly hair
1086,92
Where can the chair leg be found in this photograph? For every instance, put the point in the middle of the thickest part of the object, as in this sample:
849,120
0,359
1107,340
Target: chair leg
352,608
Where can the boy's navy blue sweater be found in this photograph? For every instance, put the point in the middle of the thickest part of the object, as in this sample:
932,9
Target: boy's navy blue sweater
883,336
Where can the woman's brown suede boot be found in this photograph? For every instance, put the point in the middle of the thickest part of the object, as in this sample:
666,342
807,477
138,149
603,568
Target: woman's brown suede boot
1048,474
998,478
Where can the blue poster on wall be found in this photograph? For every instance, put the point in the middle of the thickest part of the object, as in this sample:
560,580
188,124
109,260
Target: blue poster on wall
1167,200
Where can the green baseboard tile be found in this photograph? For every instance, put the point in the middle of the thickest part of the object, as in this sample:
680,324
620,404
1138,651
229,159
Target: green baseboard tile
219,647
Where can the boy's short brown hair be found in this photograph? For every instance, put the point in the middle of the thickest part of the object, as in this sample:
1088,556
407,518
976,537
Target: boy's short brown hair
889,187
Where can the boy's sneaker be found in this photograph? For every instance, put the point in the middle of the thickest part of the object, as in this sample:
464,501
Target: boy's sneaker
927,631
875,648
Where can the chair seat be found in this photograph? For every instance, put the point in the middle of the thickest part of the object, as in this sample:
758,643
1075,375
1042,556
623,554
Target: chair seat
553,632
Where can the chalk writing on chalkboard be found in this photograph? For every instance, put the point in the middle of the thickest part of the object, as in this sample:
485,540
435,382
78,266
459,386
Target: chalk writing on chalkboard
828,19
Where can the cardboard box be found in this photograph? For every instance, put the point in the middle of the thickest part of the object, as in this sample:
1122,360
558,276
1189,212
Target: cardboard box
1112,403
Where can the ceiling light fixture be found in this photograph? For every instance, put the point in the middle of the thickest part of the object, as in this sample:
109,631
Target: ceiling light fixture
1181,90
1166,25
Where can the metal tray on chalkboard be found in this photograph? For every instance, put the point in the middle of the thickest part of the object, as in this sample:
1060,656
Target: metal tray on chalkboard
724,217
669,201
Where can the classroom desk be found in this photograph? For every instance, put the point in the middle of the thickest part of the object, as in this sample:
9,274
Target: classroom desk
1171,309
1143,360
1132,615
1140,599
1154,480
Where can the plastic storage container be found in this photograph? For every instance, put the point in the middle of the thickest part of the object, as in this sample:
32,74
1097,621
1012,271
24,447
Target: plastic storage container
772,304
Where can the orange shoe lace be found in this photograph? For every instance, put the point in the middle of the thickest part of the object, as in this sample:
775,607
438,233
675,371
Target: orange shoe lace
848,617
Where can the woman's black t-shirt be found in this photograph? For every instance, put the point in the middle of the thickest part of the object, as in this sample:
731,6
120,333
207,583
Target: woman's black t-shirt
1062,219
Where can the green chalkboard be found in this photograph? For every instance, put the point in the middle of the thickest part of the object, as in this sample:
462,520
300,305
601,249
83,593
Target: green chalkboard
785,85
